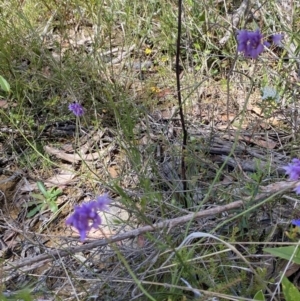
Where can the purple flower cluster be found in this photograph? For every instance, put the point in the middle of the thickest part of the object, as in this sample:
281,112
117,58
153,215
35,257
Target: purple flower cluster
76,108
251,42
86,216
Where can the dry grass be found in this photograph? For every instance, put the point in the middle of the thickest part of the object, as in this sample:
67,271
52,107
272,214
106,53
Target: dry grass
118,61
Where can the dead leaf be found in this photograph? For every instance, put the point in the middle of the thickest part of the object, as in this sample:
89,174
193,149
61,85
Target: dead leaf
257,110
265,125
73,158
266,143
4,104
163,93
230,117
113,171
63,178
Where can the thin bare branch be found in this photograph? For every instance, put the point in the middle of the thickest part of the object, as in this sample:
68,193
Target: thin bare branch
169,224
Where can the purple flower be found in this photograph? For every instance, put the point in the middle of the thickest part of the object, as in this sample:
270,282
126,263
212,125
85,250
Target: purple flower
86,217
277,38
76,108
296,222
102,201
293,169
250,43
297,189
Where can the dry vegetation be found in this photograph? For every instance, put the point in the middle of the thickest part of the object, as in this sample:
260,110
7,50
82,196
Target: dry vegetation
157,242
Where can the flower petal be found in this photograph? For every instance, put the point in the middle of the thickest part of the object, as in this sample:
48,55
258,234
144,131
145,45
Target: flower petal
277,39
296,222
297,189
293,169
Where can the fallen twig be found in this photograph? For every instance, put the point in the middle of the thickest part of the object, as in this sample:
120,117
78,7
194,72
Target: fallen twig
169,224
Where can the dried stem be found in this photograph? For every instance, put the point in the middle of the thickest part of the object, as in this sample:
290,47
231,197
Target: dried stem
184,131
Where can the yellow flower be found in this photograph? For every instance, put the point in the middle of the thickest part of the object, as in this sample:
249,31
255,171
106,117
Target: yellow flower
155,89
164,59
148,51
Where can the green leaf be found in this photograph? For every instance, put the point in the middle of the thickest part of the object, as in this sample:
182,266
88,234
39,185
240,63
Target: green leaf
202,17
55,193
52,198
117,221
121,192
24,296
53,207
285,253
290,292
2,298
4,84
35,210
42,188
259,296
38,197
